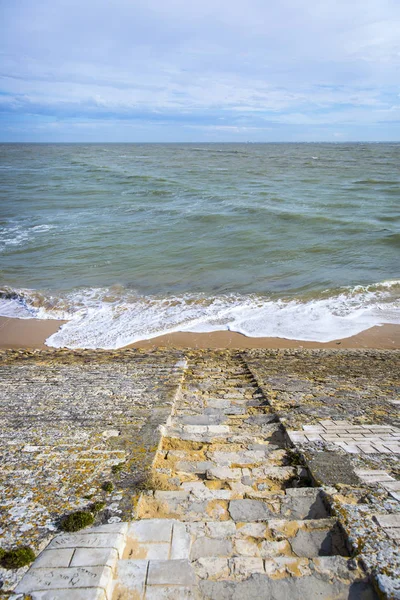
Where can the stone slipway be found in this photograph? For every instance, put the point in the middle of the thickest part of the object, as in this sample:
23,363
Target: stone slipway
276,476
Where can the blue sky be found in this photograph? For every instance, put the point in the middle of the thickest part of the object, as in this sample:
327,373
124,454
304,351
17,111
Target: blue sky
199,70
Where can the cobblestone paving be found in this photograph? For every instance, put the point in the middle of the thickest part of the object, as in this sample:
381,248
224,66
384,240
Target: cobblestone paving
354,439
240,508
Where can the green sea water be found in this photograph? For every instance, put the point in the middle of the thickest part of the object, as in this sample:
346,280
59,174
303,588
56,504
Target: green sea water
129,241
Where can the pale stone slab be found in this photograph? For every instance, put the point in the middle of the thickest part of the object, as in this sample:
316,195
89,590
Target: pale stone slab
78,594
394,533
180,546
170,572
53,558
205,547
214,568
151,530
130,578
245,565
392,520
170,593
349,448
221,529
89,540
64,578
392,486
248,510
218,429
224,473
170,495
94,557
110,528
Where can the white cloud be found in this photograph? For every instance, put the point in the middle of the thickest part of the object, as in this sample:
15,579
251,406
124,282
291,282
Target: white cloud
293,61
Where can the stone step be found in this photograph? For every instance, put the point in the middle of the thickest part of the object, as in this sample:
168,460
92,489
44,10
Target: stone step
281,578
195,502
220,434
151,579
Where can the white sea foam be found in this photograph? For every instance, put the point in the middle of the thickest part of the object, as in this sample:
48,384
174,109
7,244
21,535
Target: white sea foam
18,235
114,318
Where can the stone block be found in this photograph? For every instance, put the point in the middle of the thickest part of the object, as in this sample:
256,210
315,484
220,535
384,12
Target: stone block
78,594
224,473
248,510
170,572
394,533
64,578
391,486
245,565
53,558
205,546
109,528
89,540
254,530
218,429
194,466
221,529
171,593
212,568
151,530
312,543
94,557
130,578
391,520
246,547
180,546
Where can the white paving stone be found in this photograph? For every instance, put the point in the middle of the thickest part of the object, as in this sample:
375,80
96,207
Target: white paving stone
89,540
64,578
170,572
54,558
390,520
151,530
130,579
180,547
84,557
77,594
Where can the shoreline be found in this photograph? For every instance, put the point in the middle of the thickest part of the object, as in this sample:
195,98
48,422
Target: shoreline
32,333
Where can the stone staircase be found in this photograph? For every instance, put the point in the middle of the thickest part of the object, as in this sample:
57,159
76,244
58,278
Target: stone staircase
231,514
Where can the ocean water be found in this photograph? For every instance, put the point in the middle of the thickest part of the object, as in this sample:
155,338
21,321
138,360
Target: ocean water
130,241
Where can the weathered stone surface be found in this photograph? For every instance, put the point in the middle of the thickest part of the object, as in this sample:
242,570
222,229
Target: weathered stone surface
64,578
170,572
227,517
68,421
249,510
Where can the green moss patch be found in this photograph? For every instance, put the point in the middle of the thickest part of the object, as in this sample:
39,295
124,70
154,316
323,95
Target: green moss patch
97,507
107,486
77,520
16,557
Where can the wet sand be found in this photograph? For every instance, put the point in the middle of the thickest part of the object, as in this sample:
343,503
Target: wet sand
32,333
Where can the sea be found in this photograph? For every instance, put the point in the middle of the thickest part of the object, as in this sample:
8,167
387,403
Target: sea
131,241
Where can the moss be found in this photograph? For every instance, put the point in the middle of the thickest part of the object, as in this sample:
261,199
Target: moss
117,468
96,507
107,486
294,458
77,520
17,557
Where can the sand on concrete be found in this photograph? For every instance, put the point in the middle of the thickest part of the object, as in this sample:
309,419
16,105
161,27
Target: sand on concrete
32,333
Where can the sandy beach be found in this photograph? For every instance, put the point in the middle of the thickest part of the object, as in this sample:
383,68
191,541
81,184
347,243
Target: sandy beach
32,333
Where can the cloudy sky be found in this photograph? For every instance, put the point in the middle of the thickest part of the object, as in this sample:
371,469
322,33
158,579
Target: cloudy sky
199,70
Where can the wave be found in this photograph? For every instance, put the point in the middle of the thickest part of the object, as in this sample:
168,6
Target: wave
115,317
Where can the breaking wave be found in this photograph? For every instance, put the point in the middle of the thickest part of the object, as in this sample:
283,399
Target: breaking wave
115,317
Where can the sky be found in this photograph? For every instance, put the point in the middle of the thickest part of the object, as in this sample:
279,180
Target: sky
199,70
